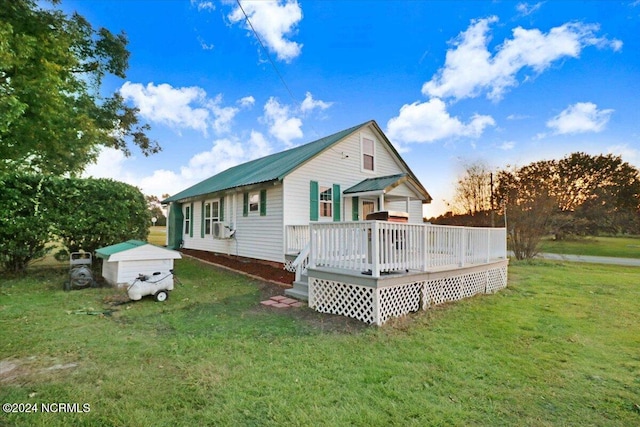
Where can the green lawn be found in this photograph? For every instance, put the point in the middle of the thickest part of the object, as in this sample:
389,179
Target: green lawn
625,247
559,346
157,235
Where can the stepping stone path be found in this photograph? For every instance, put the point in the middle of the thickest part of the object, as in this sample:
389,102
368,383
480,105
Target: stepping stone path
282,302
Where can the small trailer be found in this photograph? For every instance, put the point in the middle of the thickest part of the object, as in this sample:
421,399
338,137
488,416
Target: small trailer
142,268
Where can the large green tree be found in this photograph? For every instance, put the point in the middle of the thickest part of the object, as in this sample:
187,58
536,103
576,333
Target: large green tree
580,194
53,116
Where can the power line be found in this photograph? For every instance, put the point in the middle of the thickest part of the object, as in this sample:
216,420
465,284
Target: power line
273,64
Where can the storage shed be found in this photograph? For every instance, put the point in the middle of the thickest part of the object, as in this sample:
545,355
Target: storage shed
124,262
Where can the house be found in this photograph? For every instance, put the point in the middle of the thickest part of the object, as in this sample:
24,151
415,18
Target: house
258,209
307,208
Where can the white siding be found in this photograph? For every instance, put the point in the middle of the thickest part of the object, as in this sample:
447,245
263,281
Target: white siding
415,209
341,164
256,236
110,272
124,273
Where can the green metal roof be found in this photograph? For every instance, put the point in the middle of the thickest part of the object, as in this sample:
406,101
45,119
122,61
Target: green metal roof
107,251
375,184
270,168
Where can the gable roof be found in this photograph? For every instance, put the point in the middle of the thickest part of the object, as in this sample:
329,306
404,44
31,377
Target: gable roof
276,166
265,169
135,250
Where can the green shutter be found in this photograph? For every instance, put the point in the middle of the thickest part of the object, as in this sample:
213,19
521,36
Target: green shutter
313,197
202,220
263,202
221,213
337,198
191,221
245,204
355,208
176,225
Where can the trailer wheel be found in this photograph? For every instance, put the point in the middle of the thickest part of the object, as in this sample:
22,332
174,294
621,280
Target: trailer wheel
161,296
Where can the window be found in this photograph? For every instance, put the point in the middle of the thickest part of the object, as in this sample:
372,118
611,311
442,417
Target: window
187,219
326,202
368,152
254,202
211,215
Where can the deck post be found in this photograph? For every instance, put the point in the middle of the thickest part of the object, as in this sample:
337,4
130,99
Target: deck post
312,246
425,252
463,247
375,254
489,232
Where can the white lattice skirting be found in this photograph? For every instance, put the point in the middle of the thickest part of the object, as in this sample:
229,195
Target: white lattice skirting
377,305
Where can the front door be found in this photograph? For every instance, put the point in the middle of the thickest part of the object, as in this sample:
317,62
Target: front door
368,206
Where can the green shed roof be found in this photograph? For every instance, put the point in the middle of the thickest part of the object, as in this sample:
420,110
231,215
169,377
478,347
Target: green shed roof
107,251
270,168
375,184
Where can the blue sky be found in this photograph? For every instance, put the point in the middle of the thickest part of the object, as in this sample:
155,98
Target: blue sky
449,82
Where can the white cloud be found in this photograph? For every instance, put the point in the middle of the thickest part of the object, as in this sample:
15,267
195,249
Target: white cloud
507,145
471,70
180,108
429,121
274,21
526,9
246,102
204,45
580,118
175,107
224,153
204,5
309,104
281,122
629,154
223,115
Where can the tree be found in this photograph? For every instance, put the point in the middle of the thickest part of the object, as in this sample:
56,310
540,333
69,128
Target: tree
598,193
473,190
524,198
155,209
579,194
53,118
93,213
82,214
25,219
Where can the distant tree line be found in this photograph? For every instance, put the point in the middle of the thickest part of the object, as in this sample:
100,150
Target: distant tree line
578,195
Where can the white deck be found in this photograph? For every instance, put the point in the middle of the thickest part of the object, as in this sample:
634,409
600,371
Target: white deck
374,270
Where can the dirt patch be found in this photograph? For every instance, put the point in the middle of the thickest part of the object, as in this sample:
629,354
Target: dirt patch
19,370
271,271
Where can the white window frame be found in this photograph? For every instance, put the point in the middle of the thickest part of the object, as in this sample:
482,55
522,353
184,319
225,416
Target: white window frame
364,137
326,203
187,219
209,217
254,202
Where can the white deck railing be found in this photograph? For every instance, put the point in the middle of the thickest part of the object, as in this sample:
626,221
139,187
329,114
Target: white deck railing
375,247
297,237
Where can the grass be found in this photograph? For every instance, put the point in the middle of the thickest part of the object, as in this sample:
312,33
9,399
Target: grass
559,346
157,235
623,247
